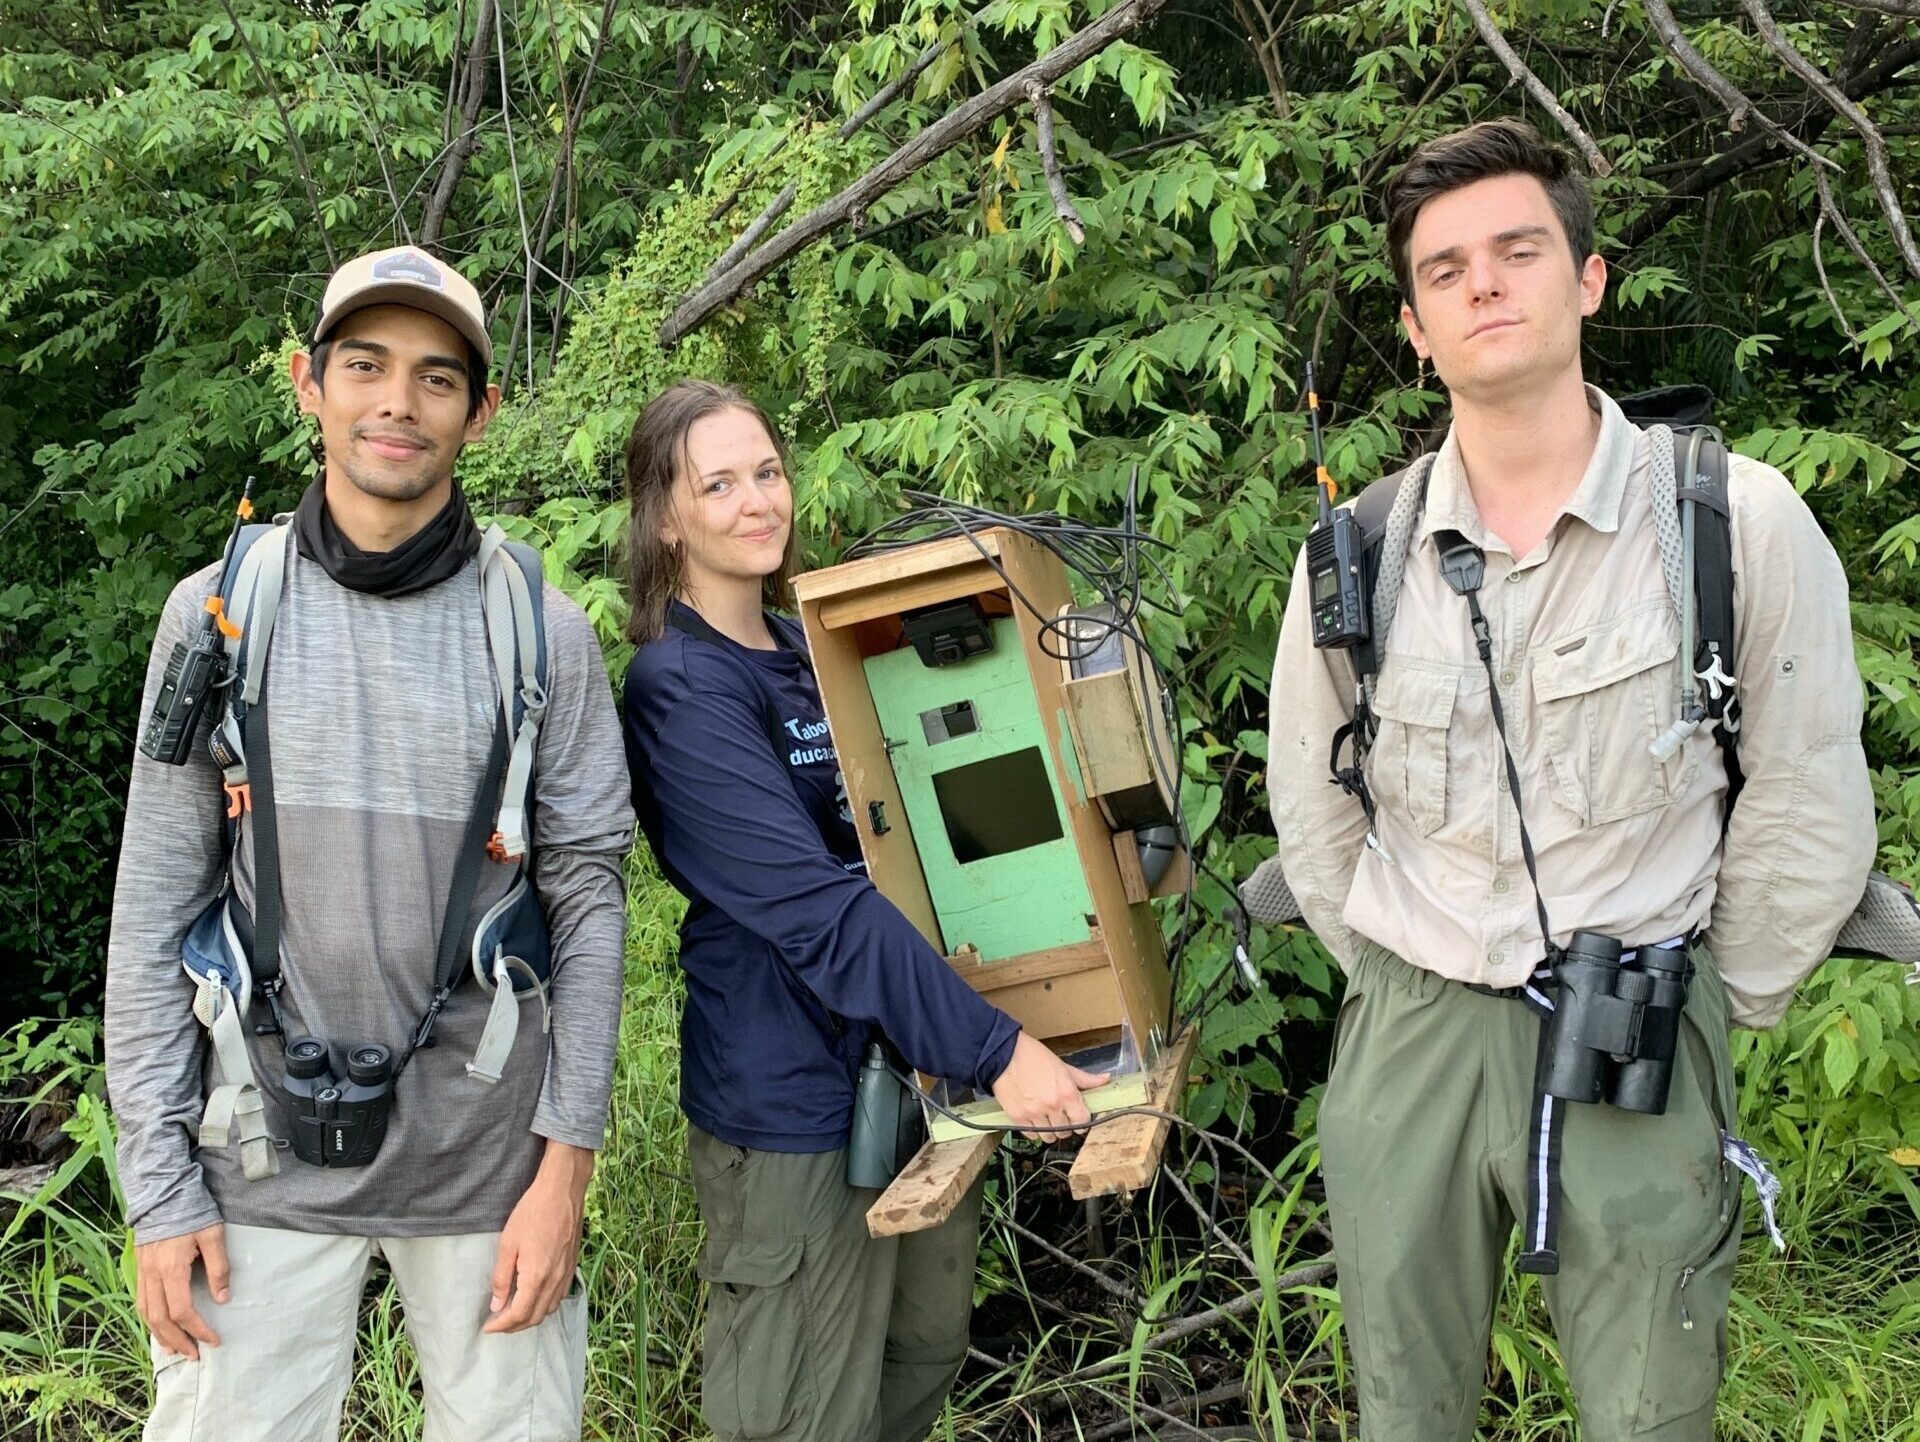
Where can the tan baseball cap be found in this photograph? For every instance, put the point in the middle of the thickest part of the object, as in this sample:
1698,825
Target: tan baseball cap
405,275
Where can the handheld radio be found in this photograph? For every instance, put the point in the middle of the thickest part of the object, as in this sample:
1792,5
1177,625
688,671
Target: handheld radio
197,668
1334,547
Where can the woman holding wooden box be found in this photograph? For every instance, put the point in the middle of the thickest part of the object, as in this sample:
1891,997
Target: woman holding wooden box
793,961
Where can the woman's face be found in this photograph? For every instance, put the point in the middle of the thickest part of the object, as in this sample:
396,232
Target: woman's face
732,507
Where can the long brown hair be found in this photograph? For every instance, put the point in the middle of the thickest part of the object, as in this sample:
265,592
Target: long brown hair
656,455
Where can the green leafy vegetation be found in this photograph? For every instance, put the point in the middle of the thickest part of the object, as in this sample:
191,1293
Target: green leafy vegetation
163,246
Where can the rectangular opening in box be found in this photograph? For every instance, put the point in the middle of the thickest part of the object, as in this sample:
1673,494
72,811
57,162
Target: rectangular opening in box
997,806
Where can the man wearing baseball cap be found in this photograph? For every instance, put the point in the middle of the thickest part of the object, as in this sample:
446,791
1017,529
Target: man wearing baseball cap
392,712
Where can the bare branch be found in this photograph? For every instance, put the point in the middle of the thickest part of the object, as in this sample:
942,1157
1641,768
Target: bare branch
762,223
1830,210
1876,147
373,139
1909,8
1737,105
293,136
1826,286
1042,100
473,91
882,98
935,140
520,205
1516,67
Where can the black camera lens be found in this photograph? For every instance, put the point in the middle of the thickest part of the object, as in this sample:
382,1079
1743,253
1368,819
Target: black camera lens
369,1065
306,1058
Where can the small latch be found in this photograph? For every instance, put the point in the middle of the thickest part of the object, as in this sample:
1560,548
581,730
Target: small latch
877,817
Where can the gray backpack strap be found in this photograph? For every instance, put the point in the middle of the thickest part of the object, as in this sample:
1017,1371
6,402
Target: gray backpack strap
510,587
1387,511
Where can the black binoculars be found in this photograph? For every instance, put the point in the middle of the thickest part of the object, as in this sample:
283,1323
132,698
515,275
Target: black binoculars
338,1124
1615,1023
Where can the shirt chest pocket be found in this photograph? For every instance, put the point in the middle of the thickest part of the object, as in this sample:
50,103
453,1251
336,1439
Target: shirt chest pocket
1407,766
1605,693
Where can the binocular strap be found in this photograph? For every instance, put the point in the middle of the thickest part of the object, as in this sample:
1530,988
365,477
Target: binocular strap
1539,1251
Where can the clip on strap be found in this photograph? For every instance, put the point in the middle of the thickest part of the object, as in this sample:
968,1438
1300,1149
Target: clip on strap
503,1020
235,1112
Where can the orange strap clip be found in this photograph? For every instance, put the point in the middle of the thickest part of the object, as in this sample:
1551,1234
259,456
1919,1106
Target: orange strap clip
239,799
497,848
217,609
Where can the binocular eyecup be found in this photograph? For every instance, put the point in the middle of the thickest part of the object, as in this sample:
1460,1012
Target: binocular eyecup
338,1123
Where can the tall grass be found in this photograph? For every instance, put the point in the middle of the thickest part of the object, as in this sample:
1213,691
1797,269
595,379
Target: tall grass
1205,1290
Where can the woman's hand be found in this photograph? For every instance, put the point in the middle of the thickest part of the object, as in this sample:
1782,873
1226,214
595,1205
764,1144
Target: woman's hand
1038,1090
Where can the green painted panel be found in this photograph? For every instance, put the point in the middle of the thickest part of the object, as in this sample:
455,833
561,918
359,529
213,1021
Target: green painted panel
984,804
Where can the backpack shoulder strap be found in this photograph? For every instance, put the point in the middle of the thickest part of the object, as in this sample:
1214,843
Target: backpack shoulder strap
1700,485
1371,509
250,595
511,587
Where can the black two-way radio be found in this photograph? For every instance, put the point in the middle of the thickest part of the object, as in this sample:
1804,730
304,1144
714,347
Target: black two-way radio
197,668
1334,549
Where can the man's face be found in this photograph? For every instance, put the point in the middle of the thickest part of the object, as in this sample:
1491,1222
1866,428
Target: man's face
393,402
1497,298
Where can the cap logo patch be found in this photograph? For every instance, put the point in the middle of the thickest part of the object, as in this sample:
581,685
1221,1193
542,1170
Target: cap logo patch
409,265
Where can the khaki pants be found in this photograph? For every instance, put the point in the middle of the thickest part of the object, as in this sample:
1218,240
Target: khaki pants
817,1332
285,1359
1424,1142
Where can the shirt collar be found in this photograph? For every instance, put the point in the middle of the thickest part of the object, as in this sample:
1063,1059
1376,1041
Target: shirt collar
1596,500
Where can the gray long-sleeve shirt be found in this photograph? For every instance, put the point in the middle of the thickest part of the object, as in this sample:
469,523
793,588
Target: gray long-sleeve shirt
382,713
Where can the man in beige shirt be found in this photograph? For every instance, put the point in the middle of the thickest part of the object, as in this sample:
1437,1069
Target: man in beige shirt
1435,1139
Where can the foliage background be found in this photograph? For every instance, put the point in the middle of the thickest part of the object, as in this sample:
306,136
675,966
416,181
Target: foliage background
163,244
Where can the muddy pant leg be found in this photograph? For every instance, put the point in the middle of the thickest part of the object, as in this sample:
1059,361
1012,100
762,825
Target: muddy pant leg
927,1328
1650,1232
798,1296
1419,1224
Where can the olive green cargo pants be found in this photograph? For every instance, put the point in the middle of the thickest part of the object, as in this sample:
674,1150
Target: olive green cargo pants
817,1332
1424,1142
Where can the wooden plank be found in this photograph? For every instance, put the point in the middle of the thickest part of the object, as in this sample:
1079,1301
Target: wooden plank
889,566
1126,855
909,594
1108,733
1132,934
1122,1155
986,976
1057,1006
931,1185
893,861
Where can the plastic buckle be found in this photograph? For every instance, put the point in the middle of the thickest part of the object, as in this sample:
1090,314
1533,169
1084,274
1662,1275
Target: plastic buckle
239,798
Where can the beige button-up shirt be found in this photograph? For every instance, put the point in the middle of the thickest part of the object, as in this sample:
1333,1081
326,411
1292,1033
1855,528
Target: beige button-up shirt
1586,655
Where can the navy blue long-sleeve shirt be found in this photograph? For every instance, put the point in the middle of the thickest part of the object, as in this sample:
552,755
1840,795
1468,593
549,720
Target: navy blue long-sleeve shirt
784,932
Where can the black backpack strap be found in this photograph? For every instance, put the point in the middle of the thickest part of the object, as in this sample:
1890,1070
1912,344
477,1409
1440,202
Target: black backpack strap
1713,659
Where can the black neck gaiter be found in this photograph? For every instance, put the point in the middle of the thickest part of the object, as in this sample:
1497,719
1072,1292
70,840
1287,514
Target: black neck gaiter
429,556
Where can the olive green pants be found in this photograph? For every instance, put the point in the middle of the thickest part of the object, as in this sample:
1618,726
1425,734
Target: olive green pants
1424,1141
817,1332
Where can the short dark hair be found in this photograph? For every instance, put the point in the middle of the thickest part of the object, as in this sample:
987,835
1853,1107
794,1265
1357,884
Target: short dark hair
1480,152
475,368
656,455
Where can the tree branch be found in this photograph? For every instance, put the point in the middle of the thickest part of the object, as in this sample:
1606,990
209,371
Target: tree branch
1536,87
293,136
1876,146
1755,152
1831,210
1737,105
935,140
882,98
1042,101
472,92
